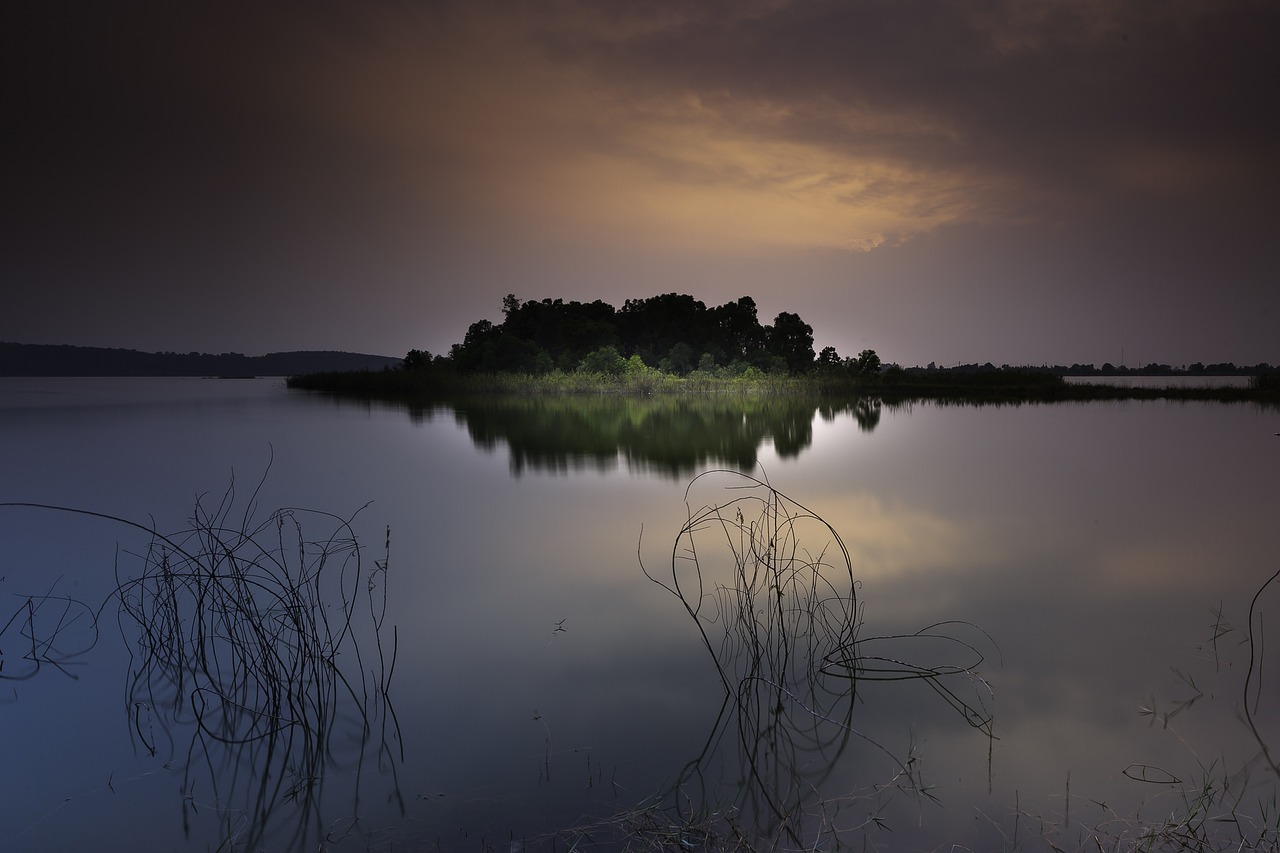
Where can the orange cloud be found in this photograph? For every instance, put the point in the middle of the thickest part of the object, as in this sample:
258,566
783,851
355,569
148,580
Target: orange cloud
479,114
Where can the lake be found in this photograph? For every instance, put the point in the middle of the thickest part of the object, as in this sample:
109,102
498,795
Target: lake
1000,627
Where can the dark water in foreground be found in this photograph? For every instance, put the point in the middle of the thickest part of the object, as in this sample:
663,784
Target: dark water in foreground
1092,566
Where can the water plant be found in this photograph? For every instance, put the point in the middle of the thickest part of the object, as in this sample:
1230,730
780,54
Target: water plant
770,587
251,667
1224,800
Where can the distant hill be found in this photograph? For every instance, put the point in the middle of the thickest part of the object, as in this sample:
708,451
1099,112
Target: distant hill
64,360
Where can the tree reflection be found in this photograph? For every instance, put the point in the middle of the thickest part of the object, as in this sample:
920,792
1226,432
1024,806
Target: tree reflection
673,436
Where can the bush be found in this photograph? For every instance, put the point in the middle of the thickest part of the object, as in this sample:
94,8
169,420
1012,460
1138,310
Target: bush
606,361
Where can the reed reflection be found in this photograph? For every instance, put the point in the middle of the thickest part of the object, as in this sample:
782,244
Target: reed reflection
771,589
259,667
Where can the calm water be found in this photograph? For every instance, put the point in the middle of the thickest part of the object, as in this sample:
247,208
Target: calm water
1095,566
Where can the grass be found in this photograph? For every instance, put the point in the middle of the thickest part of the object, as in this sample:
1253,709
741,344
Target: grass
401,384
891,386
1223,805
1216,812
771,591
251,666
769,588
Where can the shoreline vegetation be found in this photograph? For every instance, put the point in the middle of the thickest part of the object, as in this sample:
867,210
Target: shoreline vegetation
673,344
1001,385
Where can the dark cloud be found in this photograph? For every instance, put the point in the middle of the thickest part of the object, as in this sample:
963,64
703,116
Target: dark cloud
1054,92
409,163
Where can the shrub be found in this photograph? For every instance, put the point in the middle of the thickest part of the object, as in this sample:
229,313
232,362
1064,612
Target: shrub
606,361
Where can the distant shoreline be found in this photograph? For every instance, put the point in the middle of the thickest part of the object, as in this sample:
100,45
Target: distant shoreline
67,360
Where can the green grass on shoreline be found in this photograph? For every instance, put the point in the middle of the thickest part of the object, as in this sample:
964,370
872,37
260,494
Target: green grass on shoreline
1007,386
408,384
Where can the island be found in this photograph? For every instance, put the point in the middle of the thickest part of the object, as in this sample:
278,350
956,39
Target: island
674,344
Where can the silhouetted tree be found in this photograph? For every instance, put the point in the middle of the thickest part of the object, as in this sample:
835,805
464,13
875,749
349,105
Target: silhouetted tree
674,331
651,327
868,362
565,331
791,339
491,349
739,333
417,359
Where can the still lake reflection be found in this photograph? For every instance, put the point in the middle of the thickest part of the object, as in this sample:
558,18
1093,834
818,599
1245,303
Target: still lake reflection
1096,564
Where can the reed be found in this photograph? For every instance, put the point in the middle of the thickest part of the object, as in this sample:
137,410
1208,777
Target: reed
770,587
637,381
250,664
1221,805
892,385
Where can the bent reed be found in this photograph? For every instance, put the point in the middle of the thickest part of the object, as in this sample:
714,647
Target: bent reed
259,666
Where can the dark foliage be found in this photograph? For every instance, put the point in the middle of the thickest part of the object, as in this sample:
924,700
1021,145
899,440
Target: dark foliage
672,331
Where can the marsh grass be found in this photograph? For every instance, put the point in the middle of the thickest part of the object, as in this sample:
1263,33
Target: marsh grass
891,386
641,383
770,588
251,667
252,673
52,631
401,384
1225,803
1216,811
771,592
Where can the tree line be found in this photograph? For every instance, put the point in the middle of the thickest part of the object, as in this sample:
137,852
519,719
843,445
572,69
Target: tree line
673,332
678,334
65,360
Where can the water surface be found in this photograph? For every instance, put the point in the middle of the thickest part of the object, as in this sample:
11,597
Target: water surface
1101,557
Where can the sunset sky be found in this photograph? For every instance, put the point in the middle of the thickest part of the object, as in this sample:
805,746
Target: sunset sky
1023,182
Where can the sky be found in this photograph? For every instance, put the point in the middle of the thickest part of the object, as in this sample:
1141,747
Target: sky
1013,181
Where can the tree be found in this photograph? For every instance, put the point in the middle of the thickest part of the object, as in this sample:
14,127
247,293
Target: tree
680,360
417,359
479,340
491,349
739,333
791,339
651,327
671,330
566,331
868,362
605,360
